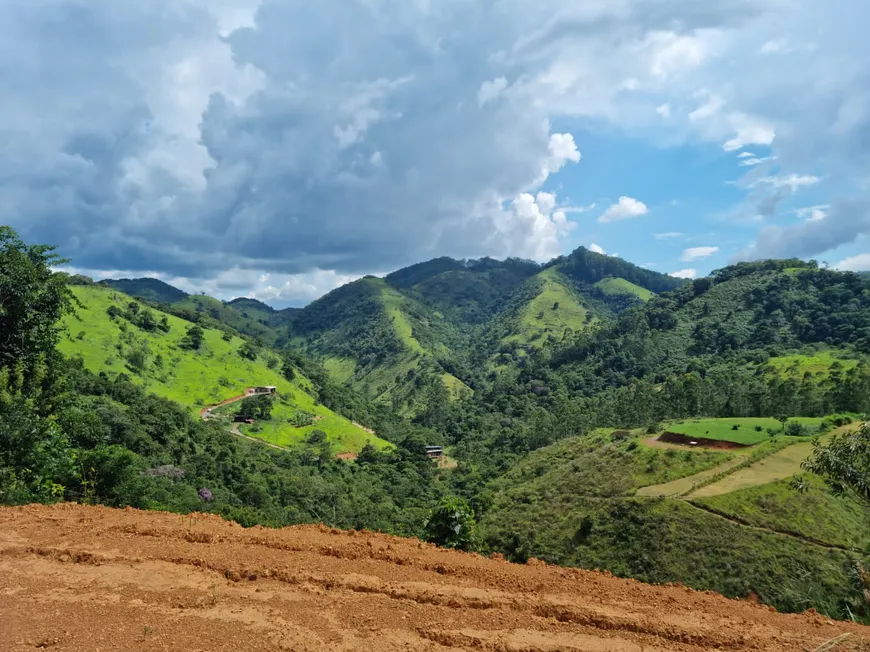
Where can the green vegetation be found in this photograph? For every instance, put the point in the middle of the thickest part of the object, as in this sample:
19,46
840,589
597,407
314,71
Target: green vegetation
612,285
520,371
195,367
149,289
777,506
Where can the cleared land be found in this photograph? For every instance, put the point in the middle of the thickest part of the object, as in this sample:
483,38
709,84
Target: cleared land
780,465
621,286
684,485
88,578
746,433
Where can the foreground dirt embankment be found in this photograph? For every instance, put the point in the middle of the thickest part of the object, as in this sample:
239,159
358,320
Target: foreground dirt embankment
93,578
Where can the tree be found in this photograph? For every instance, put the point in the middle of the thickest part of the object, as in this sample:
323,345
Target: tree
256,407
248,350
451,525
193,339
843,463
33,299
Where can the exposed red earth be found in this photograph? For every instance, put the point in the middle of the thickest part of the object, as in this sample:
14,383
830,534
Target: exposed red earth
97,579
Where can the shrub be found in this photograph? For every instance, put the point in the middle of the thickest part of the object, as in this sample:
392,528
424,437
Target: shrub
451,525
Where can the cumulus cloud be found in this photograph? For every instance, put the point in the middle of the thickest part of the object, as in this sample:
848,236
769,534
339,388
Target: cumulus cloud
668,236
696,253
859,263
597,249
685,273
625,208
194,137
844,223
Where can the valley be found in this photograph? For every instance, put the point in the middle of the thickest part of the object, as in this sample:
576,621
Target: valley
595,414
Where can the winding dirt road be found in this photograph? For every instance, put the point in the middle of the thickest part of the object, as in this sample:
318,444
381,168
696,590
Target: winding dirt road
91,578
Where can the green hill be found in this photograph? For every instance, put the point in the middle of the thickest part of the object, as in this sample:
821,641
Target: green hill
574,503
619,286
380,341
157,359
149,289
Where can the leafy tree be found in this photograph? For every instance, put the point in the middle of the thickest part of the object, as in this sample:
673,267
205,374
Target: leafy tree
844,463
451,525
33,299
256,407
248,350
193,339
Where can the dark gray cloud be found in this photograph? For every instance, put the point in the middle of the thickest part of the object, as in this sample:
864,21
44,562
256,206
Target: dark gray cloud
360,135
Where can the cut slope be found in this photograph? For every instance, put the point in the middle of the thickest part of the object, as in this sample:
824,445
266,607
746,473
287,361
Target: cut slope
196,378
86,578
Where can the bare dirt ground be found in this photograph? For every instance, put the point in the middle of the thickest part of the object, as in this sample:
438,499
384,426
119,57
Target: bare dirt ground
96,579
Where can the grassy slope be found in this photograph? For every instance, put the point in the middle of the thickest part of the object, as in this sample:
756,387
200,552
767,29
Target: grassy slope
198,378
571,503
723,429
537,320
795,366
621,286
777,506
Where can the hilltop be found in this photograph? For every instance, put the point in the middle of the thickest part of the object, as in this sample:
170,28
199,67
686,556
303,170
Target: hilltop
123,579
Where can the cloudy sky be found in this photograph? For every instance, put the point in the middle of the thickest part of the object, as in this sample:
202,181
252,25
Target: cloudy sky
278,148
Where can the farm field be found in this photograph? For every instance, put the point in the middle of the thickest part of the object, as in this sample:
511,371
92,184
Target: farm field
198,378
682,485
749,430
779,465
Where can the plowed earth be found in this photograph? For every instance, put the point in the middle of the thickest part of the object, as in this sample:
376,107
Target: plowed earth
97,579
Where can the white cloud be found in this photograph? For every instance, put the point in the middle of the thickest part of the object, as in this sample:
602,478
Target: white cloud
668,236
531,227
859,263
695,253
813,213
777,46
685,273
746,155
490,90
753,161
708,109
751,130
598,250
579,209
625,208
791,181
664,110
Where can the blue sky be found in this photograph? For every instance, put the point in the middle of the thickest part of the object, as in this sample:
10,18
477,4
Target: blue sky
279,148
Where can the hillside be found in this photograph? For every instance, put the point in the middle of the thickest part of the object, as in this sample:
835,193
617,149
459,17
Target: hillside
583,502
149,289
87,578
380,341
155,357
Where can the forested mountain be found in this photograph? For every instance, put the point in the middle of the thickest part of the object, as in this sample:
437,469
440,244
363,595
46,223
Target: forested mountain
559,392
150,289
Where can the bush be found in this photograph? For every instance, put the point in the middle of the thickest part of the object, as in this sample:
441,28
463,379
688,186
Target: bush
758,428
451,525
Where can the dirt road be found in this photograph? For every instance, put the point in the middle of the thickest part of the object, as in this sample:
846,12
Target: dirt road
92,578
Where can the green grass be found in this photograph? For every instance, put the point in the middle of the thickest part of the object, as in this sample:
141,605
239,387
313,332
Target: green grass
621,286
341,369
746,433
779,465
818,364
196,378
539,320
777,506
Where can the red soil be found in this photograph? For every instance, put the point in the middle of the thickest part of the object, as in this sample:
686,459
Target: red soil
93,578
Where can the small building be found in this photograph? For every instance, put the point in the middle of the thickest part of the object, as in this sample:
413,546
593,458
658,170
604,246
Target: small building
238,418
268,389
434,451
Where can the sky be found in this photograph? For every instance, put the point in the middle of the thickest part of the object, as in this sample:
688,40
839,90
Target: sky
280,148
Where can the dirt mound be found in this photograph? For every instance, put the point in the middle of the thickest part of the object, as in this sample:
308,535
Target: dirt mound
684,440
93,578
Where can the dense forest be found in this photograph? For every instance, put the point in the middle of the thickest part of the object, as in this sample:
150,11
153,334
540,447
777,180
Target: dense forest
529,375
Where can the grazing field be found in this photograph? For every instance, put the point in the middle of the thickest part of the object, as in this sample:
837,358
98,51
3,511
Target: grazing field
776,505
780,465
817,364
196,378
741,430
683,485
621,286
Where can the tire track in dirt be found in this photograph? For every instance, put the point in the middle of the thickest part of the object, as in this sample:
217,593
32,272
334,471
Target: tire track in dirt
84,578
